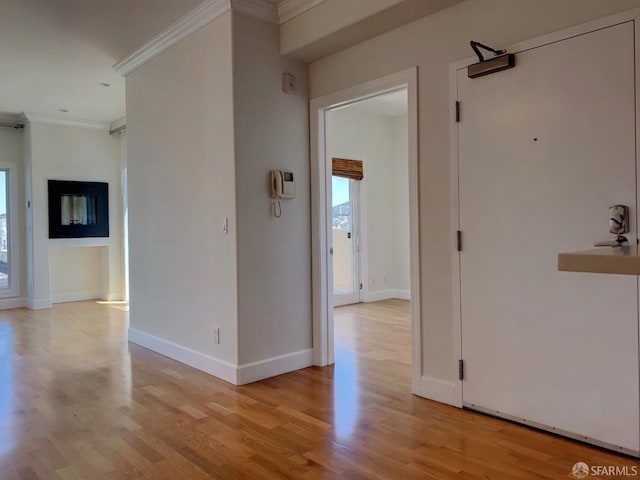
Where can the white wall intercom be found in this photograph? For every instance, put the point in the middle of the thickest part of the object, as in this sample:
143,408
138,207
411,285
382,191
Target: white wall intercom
282,184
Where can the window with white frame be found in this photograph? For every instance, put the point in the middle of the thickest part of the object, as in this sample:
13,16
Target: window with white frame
9,265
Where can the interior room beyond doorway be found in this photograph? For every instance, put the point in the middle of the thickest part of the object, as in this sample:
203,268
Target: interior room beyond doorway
368,142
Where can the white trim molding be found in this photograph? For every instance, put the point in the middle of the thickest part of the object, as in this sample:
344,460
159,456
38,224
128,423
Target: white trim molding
118,125
289,9
252,372
38,303
112,296
235,374
379,295
402,294
195,19
211,365
260,9
205,13
9,303
438,390
76,297
64,121
16,119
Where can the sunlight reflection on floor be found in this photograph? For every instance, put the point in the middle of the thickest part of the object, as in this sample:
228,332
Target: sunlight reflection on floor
120,305
6,390
345,392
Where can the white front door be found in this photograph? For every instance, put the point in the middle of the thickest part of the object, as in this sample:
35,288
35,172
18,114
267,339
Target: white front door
544,150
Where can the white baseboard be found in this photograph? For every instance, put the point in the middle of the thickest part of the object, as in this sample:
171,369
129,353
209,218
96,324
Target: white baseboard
75,297
376,296
16,302
38,303
402,294
252,372
439,390
112,296
201,361
379,295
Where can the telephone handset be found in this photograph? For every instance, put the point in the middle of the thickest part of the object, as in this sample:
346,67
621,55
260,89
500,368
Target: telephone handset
276,184
282,186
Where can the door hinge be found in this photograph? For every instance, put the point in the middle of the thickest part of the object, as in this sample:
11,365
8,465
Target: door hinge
460,369
459,241
457,111
360,286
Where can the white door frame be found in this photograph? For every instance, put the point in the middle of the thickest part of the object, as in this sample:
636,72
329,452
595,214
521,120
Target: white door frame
629,15
321,212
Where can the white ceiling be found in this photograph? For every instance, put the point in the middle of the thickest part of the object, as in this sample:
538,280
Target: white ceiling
55,53
391,104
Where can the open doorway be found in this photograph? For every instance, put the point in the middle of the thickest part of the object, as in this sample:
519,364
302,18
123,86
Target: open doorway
368,145
368,142
370,265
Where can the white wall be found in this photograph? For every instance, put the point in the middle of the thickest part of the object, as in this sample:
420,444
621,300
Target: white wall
78,273
58,152
400,159
382,143
180,159
433,43
206,121
274,254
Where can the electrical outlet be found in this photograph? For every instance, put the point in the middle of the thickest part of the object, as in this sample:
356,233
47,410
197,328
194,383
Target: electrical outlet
216,335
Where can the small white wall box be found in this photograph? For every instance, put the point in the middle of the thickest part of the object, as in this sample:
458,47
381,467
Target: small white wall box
288,84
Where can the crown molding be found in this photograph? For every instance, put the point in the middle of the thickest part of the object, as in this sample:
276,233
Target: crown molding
11,119
195,19
118,125
206,13
260,9
65,121
289,9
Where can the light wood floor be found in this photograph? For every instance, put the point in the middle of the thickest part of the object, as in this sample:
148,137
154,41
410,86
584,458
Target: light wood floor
77,402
